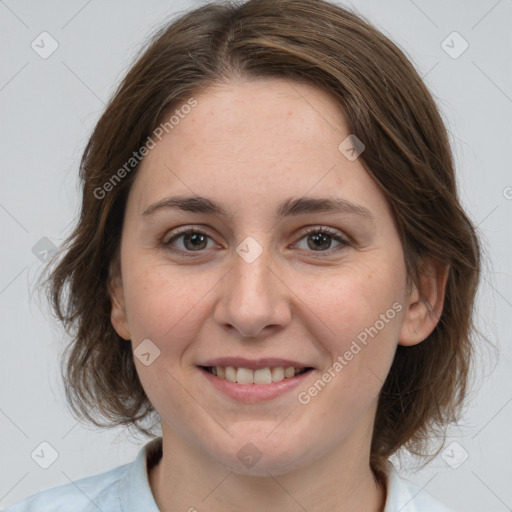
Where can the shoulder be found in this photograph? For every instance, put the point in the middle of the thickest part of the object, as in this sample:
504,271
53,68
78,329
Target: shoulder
124,488
84,495
407,496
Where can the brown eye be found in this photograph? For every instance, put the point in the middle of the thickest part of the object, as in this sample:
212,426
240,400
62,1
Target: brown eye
192,241
320,239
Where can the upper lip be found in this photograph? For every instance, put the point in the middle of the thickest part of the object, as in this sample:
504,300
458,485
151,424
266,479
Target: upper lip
254,364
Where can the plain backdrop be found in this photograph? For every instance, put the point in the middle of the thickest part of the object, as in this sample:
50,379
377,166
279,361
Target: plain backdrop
48,109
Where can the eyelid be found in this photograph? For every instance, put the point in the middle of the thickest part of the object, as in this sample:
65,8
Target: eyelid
319,228
185,231
175,234
335,234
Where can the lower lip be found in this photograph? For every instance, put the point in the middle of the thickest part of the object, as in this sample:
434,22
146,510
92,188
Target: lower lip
251,393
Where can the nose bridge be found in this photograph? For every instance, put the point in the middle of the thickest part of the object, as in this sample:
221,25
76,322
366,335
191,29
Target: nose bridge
251,298
253,270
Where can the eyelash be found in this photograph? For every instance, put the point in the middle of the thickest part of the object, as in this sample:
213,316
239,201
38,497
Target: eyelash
324,230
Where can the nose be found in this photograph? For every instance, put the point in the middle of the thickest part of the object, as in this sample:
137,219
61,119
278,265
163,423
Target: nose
254,299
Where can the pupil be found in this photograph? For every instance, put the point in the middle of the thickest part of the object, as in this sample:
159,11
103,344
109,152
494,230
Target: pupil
318,238
195,237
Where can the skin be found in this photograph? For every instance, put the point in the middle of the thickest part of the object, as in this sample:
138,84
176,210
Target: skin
250,144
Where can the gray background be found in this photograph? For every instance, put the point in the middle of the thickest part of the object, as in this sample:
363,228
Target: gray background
48,109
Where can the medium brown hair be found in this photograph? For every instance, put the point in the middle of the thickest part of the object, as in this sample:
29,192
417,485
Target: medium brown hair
407,153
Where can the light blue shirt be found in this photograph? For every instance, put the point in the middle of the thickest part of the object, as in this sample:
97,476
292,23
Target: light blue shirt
126,489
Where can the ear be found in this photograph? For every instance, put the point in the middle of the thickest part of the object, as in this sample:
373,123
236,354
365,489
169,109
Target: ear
118,313
425,304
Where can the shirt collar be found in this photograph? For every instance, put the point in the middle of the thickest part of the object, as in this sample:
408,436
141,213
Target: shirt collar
136,495
135,491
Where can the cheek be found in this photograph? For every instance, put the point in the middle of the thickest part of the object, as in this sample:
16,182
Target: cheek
358,297
363,313
164,304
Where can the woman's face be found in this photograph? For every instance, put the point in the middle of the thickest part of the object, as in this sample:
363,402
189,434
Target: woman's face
261,283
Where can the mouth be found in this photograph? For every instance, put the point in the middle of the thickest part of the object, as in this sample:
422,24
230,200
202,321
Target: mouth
260,376
263,382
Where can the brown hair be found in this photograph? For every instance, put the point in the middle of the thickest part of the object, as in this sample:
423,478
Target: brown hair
407,154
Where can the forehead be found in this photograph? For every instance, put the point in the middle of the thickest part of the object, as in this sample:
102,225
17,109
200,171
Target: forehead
229,103
259,120
252,141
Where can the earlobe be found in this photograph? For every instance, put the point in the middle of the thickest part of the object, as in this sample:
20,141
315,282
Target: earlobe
118,313
425,304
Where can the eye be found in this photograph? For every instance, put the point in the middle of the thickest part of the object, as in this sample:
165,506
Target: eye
193,241
319,239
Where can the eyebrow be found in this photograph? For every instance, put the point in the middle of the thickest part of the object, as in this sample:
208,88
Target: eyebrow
289,207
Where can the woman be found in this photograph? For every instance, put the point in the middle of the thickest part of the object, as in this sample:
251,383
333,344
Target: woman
272,263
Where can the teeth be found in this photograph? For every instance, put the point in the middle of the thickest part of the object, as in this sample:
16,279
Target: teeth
277,374
230,374
260,376
289,372
244,376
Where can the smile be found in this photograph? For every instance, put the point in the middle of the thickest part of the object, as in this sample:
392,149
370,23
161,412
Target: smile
254,385
260,376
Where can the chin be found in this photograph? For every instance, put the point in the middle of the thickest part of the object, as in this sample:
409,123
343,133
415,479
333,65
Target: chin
262,457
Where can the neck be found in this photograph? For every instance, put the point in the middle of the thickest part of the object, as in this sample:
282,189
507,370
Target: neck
341,481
